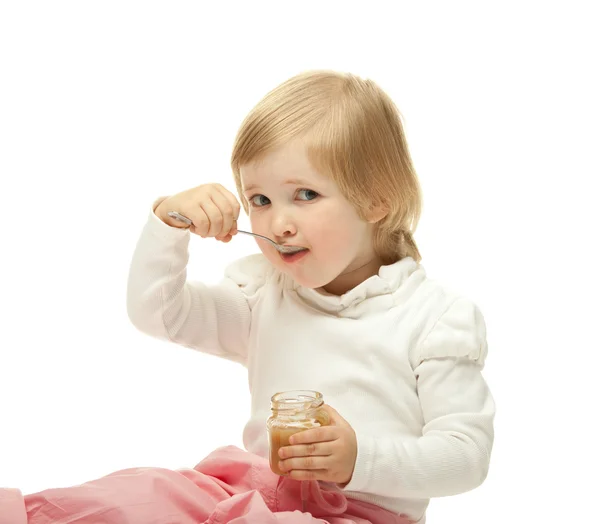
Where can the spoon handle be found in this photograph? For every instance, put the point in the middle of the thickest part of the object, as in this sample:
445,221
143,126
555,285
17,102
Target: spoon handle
259,236
181,218
186,220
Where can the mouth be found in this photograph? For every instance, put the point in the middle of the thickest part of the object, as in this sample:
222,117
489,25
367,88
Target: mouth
294,255
290,250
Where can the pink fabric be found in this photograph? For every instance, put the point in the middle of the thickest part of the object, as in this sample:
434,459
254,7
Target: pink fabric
230,485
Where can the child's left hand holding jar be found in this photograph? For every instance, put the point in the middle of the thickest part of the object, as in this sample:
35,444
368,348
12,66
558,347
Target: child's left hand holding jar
327,453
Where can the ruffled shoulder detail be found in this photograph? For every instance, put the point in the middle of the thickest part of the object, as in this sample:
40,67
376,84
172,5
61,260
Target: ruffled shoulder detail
459,332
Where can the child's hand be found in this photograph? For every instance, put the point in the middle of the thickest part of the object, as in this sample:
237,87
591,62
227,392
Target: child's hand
212,209
327,453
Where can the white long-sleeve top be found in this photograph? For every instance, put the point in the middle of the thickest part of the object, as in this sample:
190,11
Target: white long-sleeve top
399,357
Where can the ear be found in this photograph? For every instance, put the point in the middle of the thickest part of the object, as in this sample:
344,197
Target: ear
377,213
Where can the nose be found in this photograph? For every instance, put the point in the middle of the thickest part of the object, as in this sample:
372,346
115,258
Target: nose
283,225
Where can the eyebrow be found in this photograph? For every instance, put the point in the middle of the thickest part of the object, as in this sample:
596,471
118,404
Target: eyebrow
291,181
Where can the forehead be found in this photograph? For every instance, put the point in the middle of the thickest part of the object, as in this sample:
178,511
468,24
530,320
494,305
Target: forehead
286,164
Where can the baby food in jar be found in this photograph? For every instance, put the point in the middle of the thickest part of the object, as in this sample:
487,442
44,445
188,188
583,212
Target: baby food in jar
292,412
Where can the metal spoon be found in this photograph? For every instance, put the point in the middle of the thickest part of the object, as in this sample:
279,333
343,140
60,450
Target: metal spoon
278,247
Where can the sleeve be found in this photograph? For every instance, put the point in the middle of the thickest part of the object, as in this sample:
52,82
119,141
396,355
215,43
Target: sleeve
163,304
452,455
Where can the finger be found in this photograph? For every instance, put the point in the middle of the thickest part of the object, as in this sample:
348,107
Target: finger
225,239
309,436
200,222
335,419
304,463
313,474
215,218
228,236
322,449
226,212
231,233
235,205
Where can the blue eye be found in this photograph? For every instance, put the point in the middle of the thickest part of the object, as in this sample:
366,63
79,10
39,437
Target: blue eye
259,200
309,194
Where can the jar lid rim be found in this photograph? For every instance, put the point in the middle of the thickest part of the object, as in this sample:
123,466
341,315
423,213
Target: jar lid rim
296,399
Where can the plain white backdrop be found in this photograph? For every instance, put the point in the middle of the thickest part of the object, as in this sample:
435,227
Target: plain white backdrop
105,106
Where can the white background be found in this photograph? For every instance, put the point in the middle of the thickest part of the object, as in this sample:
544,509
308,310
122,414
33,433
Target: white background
106,105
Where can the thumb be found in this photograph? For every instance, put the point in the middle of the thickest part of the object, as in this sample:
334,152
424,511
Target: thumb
334,417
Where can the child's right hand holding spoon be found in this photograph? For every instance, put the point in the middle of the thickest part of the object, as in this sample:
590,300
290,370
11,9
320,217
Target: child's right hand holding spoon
212,209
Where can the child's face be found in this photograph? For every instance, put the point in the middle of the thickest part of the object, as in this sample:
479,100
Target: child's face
293,204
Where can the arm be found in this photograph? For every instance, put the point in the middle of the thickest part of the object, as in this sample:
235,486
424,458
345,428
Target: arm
452,455
162,304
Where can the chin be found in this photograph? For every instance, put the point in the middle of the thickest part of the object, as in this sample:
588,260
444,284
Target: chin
302,274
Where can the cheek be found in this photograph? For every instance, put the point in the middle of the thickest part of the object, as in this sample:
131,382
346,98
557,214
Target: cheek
337,243
258,224
335,231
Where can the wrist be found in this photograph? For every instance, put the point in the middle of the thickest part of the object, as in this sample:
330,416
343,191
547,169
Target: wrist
363,464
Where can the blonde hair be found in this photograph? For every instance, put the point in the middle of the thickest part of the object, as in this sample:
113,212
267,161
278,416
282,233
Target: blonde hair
353,133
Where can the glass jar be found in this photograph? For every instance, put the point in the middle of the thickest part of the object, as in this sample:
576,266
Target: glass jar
292,412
